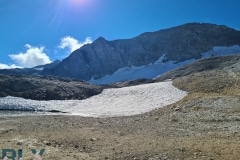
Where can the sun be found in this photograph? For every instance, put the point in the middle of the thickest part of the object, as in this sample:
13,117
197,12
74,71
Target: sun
78,2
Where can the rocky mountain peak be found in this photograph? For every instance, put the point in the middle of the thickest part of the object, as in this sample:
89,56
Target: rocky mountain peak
177,44
100,39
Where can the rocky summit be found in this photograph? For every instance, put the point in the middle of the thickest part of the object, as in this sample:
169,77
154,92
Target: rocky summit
181,43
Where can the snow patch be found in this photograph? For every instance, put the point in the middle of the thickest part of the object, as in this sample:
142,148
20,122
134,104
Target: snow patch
221,51
110,103
132,73
39,69
159,67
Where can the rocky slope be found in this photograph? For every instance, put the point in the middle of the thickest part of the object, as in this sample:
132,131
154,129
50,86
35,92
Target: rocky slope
45,88
178,44
225,63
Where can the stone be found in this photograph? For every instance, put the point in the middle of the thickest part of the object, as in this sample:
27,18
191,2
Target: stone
93,139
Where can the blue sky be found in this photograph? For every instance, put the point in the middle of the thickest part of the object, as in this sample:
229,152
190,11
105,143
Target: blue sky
34,32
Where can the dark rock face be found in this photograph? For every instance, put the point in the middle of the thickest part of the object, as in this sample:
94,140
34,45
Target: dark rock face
180,43
46,88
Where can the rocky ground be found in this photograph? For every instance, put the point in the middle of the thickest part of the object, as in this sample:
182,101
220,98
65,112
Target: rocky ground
202,128
46,87
204,125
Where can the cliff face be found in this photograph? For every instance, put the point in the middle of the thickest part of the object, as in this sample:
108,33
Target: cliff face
178,44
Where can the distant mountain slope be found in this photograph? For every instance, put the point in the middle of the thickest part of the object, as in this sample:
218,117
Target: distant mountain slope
45,88
19,71
174,45
29,71
50,65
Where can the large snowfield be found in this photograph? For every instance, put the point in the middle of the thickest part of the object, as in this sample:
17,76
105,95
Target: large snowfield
111,102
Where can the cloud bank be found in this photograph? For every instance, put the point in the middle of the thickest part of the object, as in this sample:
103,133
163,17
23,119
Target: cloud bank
72,44
32,57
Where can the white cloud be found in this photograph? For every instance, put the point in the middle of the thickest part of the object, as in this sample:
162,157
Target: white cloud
72,44
32,57
5,66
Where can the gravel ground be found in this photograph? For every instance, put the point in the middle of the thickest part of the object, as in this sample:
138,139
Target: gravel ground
197,127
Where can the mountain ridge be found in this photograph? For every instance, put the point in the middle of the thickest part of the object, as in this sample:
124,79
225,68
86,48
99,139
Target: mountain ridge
180,43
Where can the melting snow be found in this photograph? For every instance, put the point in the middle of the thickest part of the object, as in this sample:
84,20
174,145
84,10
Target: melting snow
111,102
159,67
132,73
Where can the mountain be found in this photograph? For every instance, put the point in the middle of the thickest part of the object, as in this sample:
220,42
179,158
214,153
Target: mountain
146,55
49,65
29,71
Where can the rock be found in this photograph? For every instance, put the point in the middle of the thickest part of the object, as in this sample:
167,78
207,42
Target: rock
19,143
76,146
182,149
47,143
93,139
176,109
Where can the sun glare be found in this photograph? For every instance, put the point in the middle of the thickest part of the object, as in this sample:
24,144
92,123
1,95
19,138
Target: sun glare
78,2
